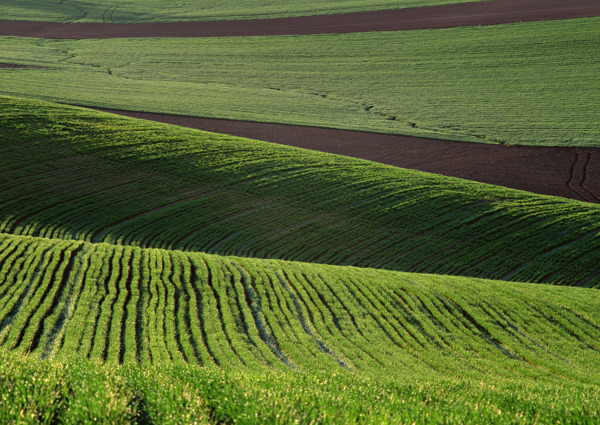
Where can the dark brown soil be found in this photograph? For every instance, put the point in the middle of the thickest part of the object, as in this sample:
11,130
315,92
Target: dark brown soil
567,172
466,14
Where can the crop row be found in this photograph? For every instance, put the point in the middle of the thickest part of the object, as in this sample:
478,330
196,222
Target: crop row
126,304
75,174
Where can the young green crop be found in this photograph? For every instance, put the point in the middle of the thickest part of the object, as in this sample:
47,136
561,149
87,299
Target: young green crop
83,175
531,84
164,10
328,317
134,334
303,343
82,392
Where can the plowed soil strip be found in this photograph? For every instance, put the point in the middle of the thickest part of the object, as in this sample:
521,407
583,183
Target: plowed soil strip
543,170
447,16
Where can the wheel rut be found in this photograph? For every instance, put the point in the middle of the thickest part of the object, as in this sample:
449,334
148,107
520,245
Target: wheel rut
586,177
578,177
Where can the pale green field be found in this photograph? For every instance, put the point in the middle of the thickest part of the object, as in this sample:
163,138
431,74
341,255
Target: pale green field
530,84
164,10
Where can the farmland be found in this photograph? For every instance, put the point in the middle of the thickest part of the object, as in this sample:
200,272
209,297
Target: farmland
156,274
79,303
165,11
529,84
77,174
97,280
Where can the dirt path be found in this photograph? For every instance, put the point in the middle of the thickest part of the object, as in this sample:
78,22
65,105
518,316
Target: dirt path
447,16
567,172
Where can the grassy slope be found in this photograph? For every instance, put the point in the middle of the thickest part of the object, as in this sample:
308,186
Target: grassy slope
132,305
79,391
78,174
304,341
226,339
532,83
164,10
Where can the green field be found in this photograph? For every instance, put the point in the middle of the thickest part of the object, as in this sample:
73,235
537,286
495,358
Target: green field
531,84
104,275
76,174
154,274
238,340
164,10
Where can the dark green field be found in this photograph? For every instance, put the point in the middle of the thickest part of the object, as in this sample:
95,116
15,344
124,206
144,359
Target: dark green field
77,174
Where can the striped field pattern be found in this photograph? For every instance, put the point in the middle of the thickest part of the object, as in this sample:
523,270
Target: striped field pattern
153,274
132,305
83,175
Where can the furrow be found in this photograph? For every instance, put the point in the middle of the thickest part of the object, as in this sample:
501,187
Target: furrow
89,340
387,314
15,260
128,350
253,301
318,287
142,313
409,301
283,313
75,283
160,309
81,317
196,315
100,344
183,307
41,261
56,287
218,303
114,332
305,324
171,310
457,310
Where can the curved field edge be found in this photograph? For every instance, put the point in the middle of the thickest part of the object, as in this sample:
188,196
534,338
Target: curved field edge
522,84
199,10
78,174
61,299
